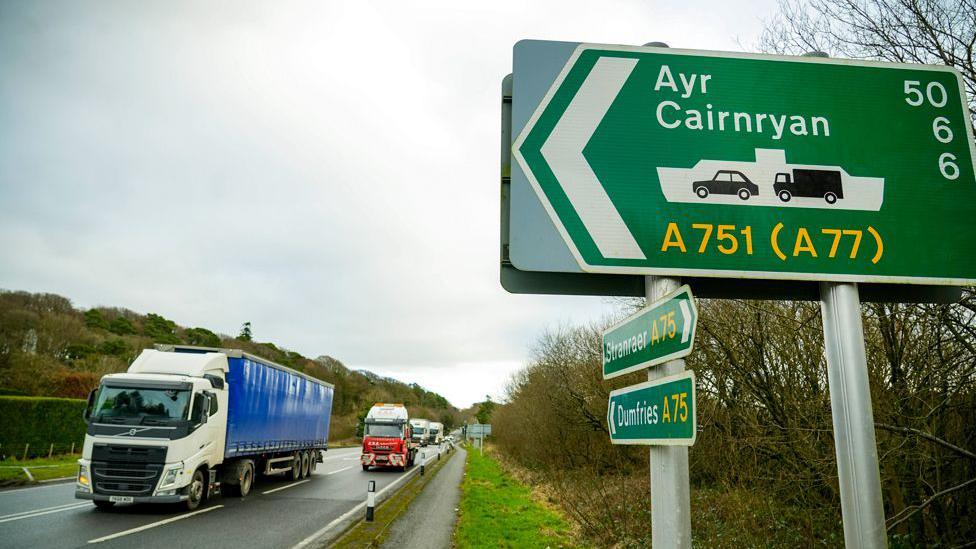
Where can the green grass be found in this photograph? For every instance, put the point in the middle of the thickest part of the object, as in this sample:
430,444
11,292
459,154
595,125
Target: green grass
11,473
498,511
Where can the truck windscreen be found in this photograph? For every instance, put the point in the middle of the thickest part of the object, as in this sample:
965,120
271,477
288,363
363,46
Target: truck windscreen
383,430
137,405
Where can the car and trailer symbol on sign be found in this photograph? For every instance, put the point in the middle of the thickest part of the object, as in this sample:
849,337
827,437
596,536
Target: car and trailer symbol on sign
770,181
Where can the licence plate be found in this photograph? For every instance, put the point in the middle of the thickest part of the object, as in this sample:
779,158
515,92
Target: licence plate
121,499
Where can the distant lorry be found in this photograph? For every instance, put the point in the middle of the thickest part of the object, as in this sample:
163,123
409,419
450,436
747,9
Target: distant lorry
436,432
809,183
419,432
386,438
184,423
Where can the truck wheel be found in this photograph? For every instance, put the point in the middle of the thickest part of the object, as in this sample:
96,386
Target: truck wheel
785,196
296,466
830,198
702,192
365,467
305,465
103,505
244,479
195,491
312,461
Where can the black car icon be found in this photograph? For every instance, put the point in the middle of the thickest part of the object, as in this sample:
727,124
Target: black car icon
726,182
808,183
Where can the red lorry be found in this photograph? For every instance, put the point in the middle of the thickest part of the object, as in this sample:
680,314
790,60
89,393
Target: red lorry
386,438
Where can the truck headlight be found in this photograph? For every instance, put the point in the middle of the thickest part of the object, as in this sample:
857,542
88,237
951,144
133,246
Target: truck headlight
171,475
84,479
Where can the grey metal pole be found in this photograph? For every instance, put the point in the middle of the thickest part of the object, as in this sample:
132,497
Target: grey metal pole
670,491
850,403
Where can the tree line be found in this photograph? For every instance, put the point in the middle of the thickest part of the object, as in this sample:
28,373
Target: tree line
49,348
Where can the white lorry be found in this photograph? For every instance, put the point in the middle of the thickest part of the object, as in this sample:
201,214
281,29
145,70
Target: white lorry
184,421
418,431
436,432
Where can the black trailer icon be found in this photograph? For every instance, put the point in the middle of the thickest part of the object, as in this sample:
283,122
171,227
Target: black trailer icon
806,183
726,182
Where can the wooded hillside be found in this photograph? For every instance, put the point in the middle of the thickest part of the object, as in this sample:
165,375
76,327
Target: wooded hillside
49,348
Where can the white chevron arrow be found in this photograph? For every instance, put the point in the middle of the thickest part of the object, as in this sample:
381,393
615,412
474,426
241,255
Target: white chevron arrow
613,428
563,151
685,312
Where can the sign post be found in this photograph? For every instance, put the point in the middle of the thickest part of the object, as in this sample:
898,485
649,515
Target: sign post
670,485
850,405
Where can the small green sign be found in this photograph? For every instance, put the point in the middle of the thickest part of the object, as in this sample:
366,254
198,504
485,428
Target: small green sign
671,162
659,412
663,331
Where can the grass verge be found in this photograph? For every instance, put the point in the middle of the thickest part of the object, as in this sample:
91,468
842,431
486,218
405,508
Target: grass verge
11,473
499,511
372,534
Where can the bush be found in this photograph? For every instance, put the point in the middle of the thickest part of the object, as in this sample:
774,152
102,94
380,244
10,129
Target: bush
202,337
161,330
122,326
95,319
40,421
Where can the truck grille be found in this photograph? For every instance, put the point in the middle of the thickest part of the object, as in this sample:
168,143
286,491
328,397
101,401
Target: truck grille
126,470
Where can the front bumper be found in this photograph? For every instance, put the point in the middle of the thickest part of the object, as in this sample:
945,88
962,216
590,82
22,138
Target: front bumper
383,460
177,498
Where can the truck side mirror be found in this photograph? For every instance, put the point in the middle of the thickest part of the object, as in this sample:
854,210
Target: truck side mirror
91,402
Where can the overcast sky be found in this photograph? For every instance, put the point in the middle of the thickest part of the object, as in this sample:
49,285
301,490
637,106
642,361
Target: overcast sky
326,170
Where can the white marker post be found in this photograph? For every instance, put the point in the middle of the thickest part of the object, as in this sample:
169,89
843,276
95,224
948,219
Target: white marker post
370,500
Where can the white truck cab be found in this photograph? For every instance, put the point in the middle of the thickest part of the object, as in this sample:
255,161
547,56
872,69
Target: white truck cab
151,428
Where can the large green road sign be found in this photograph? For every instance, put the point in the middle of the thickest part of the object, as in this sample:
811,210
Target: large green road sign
660,161
662,331
660,412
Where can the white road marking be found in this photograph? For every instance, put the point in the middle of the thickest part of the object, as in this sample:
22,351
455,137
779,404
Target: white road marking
18,490
57,479
43,511
152,525
340,470
285,487
357,509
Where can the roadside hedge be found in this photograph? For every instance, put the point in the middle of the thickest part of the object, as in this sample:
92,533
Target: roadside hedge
40,422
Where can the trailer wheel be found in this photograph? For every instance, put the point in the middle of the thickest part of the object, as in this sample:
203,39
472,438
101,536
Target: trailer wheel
195,491
296,466
312,462
305,465
830,198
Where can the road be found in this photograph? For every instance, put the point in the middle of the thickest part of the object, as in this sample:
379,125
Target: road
277,513
429,521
